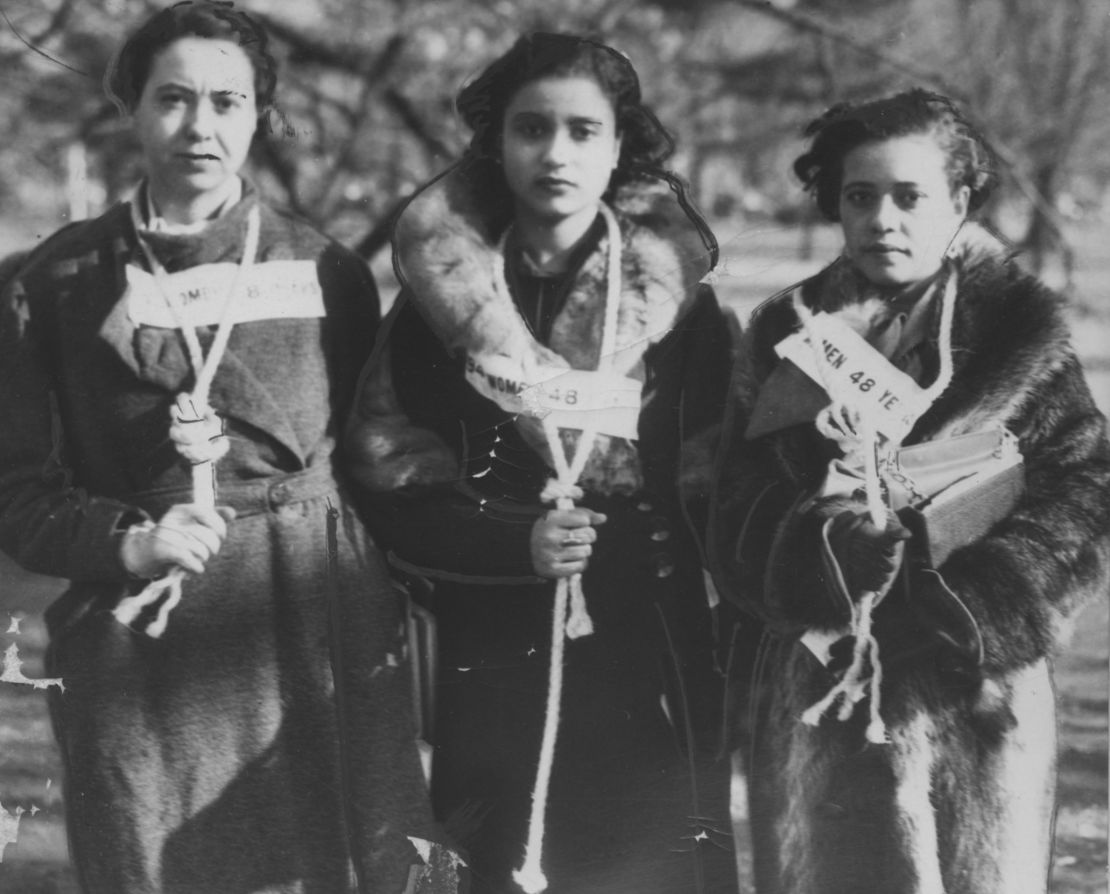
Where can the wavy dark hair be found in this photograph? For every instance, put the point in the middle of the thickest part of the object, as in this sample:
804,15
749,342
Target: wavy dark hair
127,75
969,159
645,143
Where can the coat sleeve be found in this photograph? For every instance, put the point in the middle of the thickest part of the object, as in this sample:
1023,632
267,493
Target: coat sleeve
48,523
763,549
406,463
1024,581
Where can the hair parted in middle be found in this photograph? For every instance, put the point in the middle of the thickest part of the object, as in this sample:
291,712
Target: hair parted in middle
645,143
969,159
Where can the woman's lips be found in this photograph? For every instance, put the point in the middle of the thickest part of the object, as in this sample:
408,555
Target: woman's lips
553,184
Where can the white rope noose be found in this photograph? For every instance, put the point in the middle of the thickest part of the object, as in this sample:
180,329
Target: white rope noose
854,686
204,368
570,617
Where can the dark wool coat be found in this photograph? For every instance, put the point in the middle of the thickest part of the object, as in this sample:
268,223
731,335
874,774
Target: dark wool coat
962,796
207,760
455,480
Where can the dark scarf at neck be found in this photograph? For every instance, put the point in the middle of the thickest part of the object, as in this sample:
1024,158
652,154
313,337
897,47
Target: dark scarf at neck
220,241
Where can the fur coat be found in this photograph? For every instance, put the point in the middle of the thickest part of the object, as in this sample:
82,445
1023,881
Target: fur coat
961,799
452,480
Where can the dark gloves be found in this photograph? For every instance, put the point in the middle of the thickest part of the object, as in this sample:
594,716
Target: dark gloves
868,557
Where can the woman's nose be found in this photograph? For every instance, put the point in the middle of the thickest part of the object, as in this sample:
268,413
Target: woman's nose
200,120
885,215
556,151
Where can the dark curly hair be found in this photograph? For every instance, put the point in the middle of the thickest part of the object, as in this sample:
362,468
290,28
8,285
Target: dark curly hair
127,76
645,143
969,159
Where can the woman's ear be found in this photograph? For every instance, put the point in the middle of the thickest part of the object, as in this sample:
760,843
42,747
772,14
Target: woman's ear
961,200
617,151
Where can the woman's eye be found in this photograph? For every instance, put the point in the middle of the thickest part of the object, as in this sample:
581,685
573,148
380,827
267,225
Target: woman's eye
530,130
171,100
858,198
581,133
909,199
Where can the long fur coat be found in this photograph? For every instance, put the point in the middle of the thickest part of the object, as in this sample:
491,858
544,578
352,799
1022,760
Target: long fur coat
961,799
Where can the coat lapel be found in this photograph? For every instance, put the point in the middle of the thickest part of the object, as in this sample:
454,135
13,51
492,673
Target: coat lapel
158,356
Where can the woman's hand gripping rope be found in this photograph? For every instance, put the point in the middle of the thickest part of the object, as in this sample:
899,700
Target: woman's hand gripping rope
850,430
188,534
562,538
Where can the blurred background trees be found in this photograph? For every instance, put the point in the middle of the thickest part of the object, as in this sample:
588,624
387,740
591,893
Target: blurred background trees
367,85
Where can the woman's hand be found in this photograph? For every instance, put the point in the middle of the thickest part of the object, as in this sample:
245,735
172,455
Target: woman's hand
196,431
186,536
869,556
561,541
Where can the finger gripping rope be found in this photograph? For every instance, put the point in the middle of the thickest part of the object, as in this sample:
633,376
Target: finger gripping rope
578,622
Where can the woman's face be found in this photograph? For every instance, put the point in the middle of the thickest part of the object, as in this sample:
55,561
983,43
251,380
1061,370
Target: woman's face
196,117
898,212
559,146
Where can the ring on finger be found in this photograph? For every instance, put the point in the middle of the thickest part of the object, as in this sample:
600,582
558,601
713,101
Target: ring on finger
572,540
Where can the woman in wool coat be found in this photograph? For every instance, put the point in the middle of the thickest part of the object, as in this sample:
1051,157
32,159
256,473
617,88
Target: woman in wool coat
938,775
559,212
201,744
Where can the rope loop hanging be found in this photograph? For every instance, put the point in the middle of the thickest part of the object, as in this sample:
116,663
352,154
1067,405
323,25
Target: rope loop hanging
204,367
570,618
855,685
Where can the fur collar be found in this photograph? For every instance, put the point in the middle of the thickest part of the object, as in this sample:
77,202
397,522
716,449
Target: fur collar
450,262
448,258
1009,337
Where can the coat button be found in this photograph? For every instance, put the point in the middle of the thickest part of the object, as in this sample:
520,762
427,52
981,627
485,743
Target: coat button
662,565
660,535
279,494
644,506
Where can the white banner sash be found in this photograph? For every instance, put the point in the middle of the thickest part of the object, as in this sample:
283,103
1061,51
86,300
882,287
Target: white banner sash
271,290
572,398
886,396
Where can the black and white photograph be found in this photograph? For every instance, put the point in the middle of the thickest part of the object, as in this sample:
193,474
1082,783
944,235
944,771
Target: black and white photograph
595,447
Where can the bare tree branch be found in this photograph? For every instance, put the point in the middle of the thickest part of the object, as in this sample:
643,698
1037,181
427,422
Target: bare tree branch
404,109
56,24
808,22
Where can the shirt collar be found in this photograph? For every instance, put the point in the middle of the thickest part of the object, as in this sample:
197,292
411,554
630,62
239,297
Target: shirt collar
158,224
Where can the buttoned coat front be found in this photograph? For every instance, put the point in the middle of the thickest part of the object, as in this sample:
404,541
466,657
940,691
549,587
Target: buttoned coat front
455,484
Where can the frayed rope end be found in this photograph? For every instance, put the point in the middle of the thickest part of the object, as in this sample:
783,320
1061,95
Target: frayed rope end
129,609
876,732
530,877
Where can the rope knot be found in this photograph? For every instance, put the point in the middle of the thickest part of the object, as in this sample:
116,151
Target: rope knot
560,493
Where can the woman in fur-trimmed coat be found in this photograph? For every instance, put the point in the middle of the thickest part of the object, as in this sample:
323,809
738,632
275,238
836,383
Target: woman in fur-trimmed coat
961,797
455,462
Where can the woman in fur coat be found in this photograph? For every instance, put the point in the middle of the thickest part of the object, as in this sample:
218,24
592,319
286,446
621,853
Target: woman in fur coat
903,713
549,358
201,742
